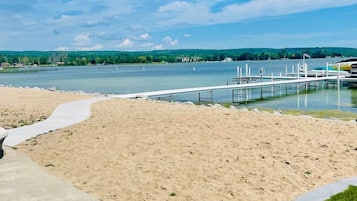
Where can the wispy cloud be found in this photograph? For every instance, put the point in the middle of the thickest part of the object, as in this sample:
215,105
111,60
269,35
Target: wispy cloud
126,43
158,47
170,41
145,36
90,48
82,40
137,23
205,13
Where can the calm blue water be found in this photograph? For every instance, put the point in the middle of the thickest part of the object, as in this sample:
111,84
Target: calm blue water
121,79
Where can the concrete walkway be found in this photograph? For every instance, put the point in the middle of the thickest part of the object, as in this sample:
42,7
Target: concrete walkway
64,115
325,192
23,180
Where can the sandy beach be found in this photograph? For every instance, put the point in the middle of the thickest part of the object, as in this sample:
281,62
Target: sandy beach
20,107
149,150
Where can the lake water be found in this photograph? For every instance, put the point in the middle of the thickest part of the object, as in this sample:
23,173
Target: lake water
122,79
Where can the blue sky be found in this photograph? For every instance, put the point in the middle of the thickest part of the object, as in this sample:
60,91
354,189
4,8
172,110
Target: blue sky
135,25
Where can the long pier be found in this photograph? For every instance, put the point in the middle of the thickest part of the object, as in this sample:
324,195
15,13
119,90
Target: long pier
233,86
242,83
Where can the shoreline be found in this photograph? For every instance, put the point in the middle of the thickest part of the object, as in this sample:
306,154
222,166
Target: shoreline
310,99
323,114
141,149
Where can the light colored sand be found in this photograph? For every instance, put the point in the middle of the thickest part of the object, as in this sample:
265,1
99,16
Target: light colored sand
145,150
25,106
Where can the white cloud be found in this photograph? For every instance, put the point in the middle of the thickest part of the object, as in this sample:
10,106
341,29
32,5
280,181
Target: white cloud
183,12
145,36
158,47
126,43
171,41
177,6
63,19
62,49
81,48
108,20
82,40
91,48
200,13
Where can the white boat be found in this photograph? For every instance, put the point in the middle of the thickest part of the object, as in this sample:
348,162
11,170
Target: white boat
345,64
323,72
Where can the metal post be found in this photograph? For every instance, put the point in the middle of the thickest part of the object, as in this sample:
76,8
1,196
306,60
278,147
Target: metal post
292,69
232,96
338,86
199,98
240,75
246,95
246,70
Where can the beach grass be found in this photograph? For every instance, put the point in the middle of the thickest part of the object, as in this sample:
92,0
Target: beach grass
350,194
325,114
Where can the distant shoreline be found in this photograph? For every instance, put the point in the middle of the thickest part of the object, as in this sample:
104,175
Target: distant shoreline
79,58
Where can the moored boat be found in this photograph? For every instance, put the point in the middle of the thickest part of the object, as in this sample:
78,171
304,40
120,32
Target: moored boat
325,71
345,65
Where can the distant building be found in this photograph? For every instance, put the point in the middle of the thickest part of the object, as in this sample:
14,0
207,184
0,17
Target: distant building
227,59
187,59
60,63
20,65
5,64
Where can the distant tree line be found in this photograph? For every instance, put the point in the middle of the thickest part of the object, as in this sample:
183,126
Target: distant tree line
79,58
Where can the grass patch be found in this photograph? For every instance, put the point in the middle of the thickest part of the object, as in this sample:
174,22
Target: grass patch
307,172
326,114
350,194
49,165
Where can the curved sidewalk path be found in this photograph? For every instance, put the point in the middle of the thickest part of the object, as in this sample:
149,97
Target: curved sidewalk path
325,192
22,179
64,115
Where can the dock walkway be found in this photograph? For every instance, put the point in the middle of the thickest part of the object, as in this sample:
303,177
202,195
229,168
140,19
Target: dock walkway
222,87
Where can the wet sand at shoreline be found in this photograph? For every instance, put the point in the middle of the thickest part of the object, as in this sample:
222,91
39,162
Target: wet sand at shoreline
149,150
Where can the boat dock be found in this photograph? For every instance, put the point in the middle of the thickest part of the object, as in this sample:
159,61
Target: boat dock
244,83
275,81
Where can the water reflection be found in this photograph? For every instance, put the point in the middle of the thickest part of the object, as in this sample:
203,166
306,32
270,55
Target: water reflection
353,98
